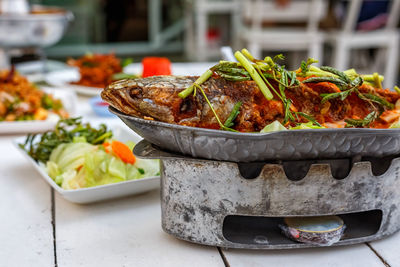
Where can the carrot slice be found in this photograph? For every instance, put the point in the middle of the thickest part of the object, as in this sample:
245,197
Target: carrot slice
106,146
123,152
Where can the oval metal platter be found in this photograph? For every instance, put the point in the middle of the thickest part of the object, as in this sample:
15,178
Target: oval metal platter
251,147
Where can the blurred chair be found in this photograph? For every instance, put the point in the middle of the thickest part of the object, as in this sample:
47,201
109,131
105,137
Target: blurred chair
262,26
197,14
386,38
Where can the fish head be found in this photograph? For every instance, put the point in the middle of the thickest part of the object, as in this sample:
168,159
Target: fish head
152,97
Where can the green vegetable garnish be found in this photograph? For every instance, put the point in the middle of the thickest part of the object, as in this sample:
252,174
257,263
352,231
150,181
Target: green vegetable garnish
305,65
308,125
231,71
247,54
273,127
340,83
232,116
377,99
121,76
253,73
361,123
341,95
343,76
65,132
309,118
397,89
223,127
203,78
126,62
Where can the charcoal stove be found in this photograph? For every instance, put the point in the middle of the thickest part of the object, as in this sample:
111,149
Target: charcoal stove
240,205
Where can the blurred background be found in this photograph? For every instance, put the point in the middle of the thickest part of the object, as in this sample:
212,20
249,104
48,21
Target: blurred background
360,34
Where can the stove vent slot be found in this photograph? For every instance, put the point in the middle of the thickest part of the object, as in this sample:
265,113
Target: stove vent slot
298,169
379,165
259,230
250,170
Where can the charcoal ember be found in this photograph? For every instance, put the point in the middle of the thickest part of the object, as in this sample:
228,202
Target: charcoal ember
321,230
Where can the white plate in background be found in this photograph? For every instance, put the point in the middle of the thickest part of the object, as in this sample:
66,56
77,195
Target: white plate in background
102,192
64,78
69,101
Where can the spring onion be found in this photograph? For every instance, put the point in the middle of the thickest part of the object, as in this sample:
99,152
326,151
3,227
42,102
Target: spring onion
203,78
253,73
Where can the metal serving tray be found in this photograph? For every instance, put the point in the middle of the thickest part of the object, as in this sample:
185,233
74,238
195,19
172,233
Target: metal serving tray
241,205
250,147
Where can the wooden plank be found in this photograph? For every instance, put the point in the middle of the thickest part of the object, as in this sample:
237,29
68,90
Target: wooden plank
124,232
347,256
388,249
26,234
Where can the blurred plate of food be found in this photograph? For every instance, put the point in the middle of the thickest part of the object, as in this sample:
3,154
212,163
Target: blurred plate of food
100,107
26,108
90,73
88,162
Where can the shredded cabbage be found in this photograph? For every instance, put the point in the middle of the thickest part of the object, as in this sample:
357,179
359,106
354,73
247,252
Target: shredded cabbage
80,164
308,125
273,127
395,125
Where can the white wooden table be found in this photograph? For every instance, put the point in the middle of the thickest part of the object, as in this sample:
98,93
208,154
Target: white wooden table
40,228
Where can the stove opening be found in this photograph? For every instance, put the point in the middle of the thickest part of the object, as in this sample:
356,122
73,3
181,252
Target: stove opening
250,170
379,165
259,230
296,170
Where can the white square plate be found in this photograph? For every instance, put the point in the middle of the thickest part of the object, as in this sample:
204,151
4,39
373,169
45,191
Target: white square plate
69,100
102,192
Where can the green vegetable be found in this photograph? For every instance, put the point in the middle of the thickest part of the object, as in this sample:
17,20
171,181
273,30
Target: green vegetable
395,125
351,73
247,54
341,75
253,73
234,113
356,82
80,164
223,127
273,127
333,80
141,171
377,99
126,62
278,57
350,88
309,118
203,78
231,71
342,95
397,89
47,102
305,65
308,125
121,76
361,123
65,131
377,80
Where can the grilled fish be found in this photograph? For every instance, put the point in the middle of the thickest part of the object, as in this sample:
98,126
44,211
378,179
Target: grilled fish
156,98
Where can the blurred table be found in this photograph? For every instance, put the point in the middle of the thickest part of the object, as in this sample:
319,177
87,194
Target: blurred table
40,228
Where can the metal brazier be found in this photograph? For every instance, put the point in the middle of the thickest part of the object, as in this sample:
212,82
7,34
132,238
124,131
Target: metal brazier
240,205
